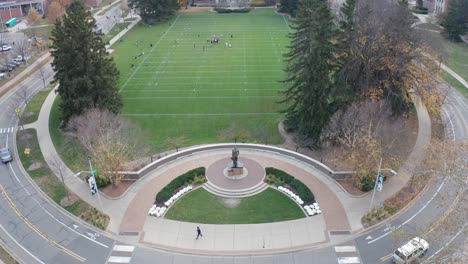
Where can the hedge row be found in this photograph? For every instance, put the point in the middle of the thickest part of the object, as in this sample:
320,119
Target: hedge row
178,182
302,190
420,10
228,10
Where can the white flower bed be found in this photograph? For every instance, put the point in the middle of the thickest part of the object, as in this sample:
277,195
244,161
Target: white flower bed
312,209
291,194
159,211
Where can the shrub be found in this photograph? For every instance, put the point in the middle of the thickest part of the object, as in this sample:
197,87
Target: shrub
101,181
190,177
420,10
271,179
374,216
228,10
300,188
367,183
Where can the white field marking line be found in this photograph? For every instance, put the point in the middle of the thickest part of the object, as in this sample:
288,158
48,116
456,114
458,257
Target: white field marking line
114,259
349,260
185,60
123,248
211,72
213,83
47,212
199,97
202,114
446,244
207,66
342,249
451,127
205,77
23,248
411,218
254,54
198,90
154,46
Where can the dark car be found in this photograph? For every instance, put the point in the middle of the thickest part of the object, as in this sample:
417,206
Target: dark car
5,155
11,65
5,69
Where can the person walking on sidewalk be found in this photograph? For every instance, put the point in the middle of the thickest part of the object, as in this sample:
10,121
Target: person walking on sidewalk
199,234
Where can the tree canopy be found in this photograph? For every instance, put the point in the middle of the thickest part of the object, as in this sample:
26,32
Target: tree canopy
289,6
152,11
455,20
86,73
309,64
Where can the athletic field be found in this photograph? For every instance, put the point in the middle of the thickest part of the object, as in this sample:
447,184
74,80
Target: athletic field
182,84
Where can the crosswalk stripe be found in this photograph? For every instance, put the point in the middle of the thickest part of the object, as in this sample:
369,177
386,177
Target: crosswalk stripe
349,260
345,249
10,130
124,248
114,259
1,130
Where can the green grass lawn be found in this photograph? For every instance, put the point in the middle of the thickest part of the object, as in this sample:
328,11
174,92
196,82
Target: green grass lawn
201,206
31,112
178,89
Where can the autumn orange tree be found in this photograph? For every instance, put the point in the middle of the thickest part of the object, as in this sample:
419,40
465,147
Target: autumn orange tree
56,9
34,18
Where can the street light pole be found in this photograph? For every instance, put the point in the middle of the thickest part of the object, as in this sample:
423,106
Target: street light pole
375,185
92,175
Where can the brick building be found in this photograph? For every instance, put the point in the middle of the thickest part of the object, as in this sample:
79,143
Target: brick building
437,7
18,8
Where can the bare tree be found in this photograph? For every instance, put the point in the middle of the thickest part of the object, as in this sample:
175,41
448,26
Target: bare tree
175,142
234,133
262,134
41,73
22,47
60,167
110,140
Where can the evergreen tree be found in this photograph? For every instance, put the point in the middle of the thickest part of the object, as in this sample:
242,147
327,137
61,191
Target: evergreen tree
152,11
455,19
289,6
86,74
310,67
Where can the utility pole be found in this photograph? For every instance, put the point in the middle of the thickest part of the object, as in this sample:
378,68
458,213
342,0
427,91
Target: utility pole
375,185
97,190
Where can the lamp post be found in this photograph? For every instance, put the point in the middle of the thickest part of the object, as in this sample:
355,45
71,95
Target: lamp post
94,178
375,185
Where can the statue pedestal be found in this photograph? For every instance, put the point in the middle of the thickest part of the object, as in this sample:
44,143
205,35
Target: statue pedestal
238,170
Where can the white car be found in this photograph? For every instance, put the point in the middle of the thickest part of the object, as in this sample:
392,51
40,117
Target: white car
6,47
411,252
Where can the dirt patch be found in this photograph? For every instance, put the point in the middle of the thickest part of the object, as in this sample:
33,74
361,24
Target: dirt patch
116,191
348,185
230,202
36,165
25,136
69,200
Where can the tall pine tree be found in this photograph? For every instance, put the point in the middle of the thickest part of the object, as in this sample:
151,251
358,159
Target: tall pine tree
289,6
86,74
455,20
310,66
152,11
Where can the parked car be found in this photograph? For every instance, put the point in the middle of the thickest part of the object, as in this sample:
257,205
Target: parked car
11,65
20,58
6,47
17,63
5,69
5,155
2,75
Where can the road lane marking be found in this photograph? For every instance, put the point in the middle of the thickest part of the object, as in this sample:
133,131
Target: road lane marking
50,214
345,249
39,232
349,260
411,218
446,244
121,254
114,259
21,246
124,248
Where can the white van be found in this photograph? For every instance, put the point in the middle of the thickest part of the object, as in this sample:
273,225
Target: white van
411,252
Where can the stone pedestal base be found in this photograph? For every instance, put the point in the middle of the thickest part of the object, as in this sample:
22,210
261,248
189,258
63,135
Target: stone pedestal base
236,171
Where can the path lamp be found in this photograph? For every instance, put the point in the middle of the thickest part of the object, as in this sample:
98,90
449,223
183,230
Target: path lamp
375,185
